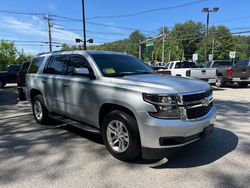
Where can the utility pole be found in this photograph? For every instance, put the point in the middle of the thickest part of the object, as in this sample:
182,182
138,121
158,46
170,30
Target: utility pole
163,45
213,48
206,41
83,26
48,18
139,51
207,10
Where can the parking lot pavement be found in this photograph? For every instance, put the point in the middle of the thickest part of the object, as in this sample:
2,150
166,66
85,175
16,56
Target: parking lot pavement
32,155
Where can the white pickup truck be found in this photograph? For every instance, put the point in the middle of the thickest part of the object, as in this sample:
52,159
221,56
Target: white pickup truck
189,69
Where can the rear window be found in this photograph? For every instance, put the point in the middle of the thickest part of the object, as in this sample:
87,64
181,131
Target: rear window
185,64
35,64
222,64
242,63
25,66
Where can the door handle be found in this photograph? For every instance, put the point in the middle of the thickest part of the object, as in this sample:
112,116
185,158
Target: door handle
65,85
43,81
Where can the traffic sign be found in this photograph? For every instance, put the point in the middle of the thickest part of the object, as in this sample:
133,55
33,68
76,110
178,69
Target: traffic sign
149,44
210,57
195,57
232,54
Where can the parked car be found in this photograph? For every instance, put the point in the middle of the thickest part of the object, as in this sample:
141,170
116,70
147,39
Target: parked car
138,112
189,69
9,76
229,73
20,80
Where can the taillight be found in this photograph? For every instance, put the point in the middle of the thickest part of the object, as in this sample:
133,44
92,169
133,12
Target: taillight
168,72
188,73
229,71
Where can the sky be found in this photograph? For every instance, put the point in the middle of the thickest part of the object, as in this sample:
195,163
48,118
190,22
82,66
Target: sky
29,30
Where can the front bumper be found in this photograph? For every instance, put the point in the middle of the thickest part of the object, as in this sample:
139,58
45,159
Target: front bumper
152,129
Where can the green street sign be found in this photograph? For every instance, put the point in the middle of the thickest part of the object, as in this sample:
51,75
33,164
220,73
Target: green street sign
149,44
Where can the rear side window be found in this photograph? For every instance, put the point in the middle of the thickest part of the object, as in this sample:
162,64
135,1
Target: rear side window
57,65
77,61
34,66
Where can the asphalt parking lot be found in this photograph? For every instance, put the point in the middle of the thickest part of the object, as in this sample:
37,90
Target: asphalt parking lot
32,155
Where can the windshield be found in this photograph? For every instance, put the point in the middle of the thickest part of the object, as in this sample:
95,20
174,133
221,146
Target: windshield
115,65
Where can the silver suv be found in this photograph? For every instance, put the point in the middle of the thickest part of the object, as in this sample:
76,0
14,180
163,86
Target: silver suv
139,113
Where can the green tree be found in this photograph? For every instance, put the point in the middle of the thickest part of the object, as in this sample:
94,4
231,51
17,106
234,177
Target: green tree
223,43
22,57
8,54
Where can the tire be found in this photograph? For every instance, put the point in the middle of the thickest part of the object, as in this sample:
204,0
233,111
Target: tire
129,133
38,107
2,83
242,84
220,82
21,96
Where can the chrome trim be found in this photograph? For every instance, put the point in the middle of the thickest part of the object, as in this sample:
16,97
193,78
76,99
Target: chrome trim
199,101
199,105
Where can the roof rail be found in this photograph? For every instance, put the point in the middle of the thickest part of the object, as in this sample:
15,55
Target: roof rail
43,53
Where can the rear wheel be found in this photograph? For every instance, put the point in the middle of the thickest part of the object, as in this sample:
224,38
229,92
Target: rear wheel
220,82
2,83
39,109
242,84
121,136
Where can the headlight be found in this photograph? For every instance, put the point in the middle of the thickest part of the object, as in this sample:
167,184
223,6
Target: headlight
166,105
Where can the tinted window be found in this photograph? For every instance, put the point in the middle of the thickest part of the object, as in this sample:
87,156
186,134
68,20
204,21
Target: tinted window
222,64
185,64
77,61
14,68
57,65
25,66
35,64
119,65
242,63
166,66
171,65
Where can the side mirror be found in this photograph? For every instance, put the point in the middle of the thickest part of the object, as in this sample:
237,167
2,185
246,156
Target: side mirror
83,72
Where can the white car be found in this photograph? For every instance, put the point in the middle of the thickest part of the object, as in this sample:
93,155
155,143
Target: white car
189,69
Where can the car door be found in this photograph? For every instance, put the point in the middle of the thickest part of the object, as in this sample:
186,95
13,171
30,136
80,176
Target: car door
52,79
79,91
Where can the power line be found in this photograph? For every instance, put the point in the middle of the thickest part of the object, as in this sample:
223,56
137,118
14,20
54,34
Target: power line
148,11
231,19
21,13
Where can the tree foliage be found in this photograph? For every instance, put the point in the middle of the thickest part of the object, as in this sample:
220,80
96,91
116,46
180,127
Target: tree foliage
10,55
182,41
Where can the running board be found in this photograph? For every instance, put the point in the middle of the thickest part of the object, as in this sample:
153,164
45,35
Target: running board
75,123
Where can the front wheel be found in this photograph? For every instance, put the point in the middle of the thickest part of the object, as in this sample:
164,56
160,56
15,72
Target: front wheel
40,111
121,136
220,82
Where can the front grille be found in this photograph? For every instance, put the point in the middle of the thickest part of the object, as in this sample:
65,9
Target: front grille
198,112
197,96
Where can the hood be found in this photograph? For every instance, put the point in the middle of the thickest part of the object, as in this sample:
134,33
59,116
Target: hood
155,83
